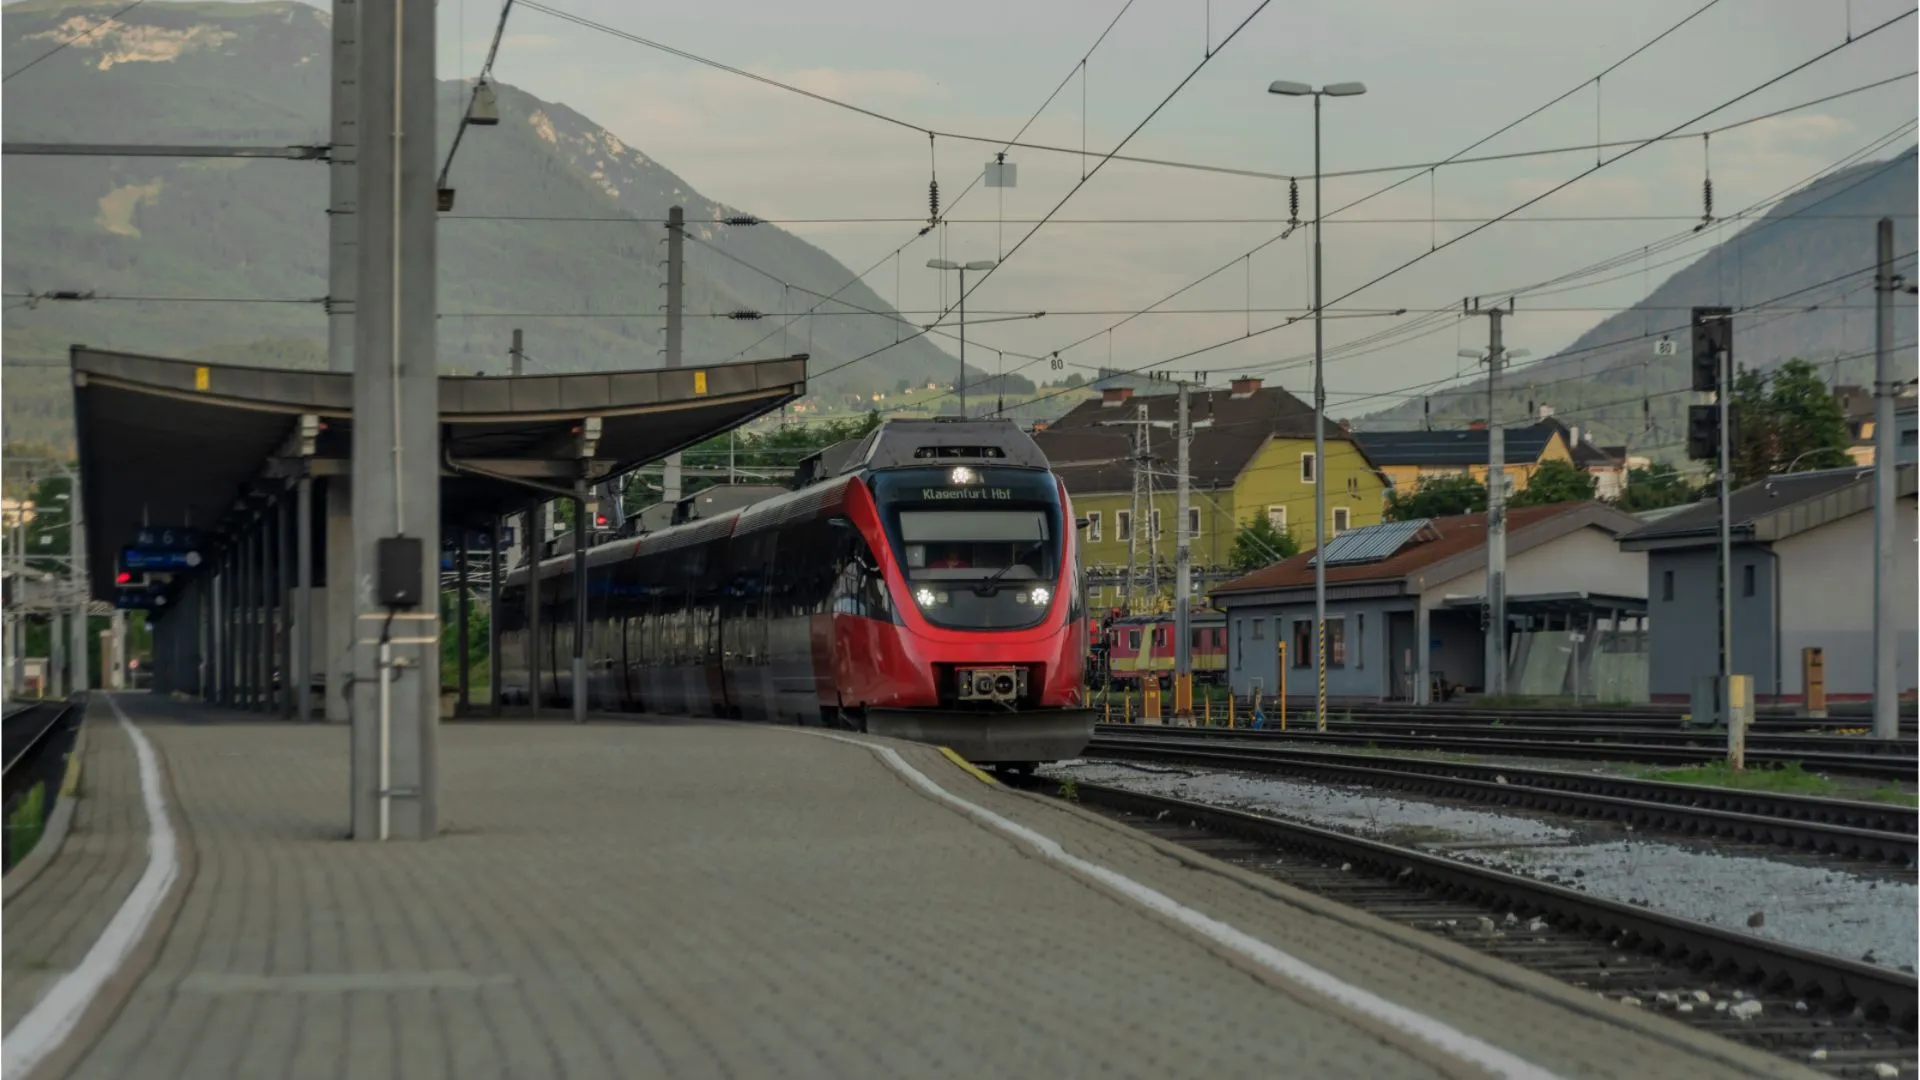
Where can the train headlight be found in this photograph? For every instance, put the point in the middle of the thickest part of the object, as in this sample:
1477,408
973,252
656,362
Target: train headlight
962,475
927,597
1040,596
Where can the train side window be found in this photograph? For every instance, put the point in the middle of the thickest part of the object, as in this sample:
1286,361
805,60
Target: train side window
1159,637
1133,640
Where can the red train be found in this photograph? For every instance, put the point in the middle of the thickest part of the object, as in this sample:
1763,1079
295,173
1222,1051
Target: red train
921,582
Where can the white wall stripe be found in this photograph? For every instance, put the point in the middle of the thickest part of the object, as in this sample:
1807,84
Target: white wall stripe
43,1029
1459,1044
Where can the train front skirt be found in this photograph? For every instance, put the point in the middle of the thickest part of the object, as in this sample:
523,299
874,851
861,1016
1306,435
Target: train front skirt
986,738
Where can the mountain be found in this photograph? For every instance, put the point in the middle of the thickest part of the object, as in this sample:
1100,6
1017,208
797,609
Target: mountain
256,74
1814,249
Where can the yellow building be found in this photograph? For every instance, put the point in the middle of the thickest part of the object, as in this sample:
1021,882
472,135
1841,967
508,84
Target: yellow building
1406,457
1255,459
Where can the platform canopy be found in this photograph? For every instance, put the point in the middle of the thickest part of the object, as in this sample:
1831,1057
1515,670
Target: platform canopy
177,443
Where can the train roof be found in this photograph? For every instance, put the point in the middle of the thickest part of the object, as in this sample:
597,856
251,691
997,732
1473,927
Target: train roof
898,444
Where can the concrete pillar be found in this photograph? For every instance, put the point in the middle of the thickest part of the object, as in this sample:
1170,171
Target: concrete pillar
396,434
300,627
496,568
462,610
339,598
57,656
1422,668
283,601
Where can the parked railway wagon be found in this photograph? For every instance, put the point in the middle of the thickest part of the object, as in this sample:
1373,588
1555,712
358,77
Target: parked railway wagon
1140,645
921,583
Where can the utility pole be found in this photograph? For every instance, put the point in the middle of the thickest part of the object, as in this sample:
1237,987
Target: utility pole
676,304
1182,581
1886,689
343,241
1496,358
1133,507
1153,532
77,581
396,465
1710,436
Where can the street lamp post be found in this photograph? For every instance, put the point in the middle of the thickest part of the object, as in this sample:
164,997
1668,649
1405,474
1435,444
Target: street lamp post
1295,89
976,265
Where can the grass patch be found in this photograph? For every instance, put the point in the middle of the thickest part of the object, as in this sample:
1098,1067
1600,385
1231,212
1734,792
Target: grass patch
1790,779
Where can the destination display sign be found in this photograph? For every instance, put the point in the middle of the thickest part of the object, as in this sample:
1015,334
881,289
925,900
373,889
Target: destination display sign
139,600
957,494
141,558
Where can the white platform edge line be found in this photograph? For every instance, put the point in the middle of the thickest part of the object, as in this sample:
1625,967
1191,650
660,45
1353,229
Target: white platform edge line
52,1019
1467,1048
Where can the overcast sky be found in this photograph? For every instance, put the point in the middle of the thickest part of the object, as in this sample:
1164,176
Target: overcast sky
1439,76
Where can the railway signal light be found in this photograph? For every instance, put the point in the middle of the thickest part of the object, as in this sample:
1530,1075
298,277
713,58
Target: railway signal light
1703,431
1712,336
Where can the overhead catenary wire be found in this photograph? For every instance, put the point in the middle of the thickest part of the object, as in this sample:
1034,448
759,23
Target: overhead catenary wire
486,69
1323,215
105,23
1423,256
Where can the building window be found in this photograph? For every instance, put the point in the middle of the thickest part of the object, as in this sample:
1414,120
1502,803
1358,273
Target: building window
1336,642
1747,580
1123,525
1239,642
1153,524
1259,629
1093,527
1307,464
1353,485
1359,640
1302,643
1342,520
1193,522
1277,517
1666,585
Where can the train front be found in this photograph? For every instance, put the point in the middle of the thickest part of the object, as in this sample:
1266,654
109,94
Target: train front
991,643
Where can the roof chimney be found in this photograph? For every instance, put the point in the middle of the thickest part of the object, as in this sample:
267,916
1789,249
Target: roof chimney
1245,385
1476,425
1546,411
1346,426
1115,395
1039,426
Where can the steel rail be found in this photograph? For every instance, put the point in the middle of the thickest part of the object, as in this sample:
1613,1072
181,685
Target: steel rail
1828,983
1867,831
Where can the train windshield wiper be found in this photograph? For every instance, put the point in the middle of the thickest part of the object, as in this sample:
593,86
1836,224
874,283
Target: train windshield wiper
988,585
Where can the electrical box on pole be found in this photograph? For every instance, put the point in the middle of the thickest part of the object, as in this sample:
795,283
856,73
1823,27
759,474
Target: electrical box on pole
1712,336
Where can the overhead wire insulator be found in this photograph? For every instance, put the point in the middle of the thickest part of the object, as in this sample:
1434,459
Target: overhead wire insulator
744,314
933,202
741,219
1293,202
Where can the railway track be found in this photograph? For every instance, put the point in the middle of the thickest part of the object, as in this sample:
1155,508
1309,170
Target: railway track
1875,832
1836,754
34,741
1838,1016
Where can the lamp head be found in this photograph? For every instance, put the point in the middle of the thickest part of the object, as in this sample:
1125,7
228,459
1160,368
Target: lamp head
1289,89
1344,89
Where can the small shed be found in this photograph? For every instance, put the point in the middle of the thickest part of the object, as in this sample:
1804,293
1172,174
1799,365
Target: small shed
1406,610
1802,576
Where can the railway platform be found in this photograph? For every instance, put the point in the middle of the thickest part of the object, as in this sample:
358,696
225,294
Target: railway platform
685,899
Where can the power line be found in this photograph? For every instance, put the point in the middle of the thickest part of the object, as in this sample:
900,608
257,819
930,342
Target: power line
1537,219
104,24
1803,65
1321,215
33,299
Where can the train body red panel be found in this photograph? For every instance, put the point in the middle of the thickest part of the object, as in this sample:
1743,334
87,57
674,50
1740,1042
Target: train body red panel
927,588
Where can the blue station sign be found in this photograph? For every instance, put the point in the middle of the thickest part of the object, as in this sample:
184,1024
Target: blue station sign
149,559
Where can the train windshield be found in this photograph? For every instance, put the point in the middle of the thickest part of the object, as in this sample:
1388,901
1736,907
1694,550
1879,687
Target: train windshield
980,554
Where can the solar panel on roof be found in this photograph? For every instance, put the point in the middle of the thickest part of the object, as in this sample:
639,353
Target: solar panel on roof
1372,543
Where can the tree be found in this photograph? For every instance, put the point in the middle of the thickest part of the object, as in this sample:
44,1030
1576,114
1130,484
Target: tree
1654,488
1556,482
1789,422
1437,496
1259,545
